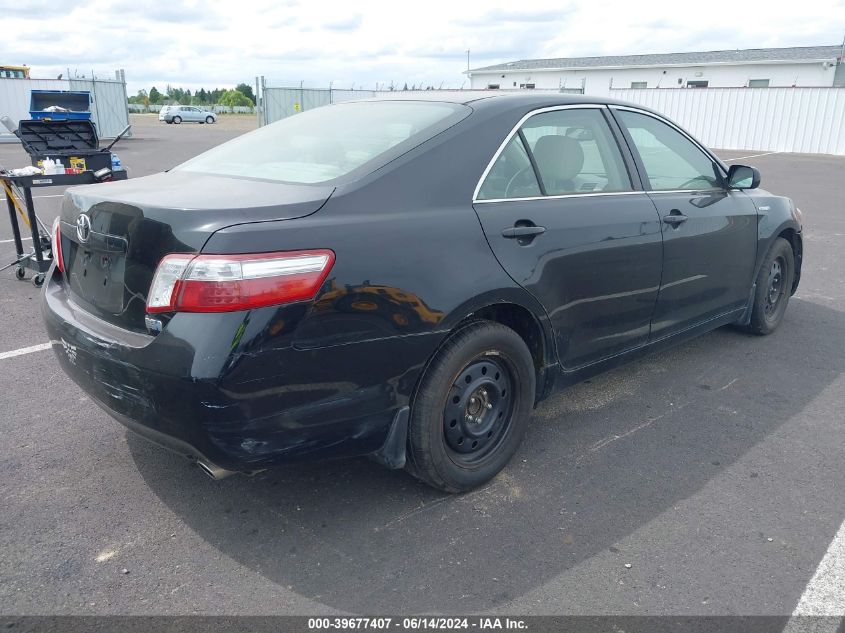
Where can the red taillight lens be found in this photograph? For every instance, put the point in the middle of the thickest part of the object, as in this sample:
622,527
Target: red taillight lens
56,246
226,283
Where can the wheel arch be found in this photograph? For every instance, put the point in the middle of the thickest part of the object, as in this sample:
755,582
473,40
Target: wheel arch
519,311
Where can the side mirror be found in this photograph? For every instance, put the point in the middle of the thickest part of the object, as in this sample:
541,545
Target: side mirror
743,177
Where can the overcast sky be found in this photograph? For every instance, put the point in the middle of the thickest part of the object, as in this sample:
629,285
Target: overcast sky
367,42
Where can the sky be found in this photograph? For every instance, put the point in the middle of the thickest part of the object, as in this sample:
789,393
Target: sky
371,43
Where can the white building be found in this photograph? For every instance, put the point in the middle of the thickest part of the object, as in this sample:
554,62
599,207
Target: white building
806,66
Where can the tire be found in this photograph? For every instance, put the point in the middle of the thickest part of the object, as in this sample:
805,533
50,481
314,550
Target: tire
177,120
20,273
472,407
209,119
774,285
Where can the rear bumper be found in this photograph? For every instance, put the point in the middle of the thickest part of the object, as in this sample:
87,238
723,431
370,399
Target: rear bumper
242,407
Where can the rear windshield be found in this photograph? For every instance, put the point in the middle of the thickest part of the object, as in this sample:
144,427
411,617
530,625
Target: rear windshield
328,143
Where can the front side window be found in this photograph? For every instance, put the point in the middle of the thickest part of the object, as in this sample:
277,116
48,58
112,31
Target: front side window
328,143
670,159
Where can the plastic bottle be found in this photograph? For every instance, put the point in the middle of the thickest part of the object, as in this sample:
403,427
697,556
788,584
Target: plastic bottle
115,162
47,165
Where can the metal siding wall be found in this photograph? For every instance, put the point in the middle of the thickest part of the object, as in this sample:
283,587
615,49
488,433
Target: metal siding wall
108,104
279,103
14,100
805,120
109,107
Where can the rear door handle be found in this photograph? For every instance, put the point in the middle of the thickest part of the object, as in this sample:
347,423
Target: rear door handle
675,218
523,231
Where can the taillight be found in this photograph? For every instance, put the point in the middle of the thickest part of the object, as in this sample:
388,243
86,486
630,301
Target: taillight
56,246
225,283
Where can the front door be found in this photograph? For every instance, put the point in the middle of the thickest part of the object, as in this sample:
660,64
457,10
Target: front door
709,231
567,222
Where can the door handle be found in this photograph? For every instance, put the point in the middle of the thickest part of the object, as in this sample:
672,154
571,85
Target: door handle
523,231
675,218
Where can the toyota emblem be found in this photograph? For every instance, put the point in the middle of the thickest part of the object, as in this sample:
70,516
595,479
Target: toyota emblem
83,227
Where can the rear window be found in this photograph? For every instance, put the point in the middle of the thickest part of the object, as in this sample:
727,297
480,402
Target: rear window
328,143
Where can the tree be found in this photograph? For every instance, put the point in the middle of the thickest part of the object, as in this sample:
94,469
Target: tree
246,90
235,98
155,95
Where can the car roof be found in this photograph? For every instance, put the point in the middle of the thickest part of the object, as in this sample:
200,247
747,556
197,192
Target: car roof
496,98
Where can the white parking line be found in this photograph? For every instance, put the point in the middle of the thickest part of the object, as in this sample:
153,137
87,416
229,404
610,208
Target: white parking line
825,593
727,160
25,350
10,241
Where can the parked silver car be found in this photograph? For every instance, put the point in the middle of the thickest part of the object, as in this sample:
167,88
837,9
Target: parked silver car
177,114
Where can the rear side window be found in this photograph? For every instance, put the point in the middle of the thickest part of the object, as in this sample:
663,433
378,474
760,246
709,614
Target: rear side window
670,159
512,175
573,151
324,144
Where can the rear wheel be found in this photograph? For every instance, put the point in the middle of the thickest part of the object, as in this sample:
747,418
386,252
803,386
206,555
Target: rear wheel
209,119
177,120
774,285
472,407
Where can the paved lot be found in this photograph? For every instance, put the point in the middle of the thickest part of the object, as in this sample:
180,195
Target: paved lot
714,470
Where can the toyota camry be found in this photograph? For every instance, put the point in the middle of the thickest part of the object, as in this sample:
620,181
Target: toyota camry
405,278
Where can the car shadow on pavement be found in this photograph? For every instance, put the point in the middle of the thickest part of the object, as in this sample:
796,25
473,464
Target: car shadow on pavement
601,460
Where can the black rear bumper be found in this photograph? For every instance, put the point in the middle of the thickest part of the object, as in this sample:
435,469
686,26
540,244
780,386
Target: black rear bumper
192,391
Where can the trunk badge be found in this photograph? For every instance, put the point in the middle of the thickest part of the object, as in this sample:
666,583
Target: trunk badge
83,227
153,325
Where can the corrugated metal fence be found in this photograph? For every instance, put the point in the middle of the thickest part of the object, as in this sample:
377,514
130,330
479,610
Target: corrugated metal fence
278,103
806,120
108,101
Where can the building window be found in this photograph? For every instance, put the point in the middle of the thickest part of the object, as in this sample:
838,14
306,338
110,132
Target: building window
758,83
697,84
639,84
492,86
527,86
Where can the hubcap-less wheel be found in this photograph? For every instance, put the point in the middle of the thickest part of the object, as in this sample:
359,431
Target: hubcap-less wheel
472,407
478,410
775,286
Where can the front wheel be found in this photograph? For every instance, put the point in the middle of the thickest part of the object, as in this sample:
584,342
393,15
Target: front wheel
774,285
472,407
209,119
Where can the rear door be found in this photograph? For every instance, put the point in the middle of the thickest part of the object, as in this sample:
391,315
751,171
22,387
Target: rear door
709,231
565,215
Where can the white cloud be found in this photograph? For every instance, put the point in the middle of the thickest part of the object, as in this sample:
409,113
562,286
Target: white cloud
218,44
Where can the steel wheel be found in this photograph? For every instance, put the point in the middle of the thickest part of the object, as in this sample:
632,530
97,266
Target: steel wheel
472,407
478,410
775,287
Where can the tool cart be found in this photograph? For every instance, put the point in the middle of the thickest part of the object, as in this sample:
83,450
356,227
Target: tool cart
70,149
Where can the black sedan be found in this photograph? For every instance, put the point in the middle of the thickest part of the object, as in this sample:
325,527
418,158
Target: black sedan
405,278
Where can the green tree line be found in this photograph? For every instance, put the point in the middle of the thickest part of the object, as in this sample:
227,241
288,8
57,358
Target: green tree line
241,95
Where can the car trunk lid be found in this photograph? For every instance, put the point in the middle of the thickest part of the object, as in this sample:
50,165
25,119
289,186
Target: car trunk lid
115,234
